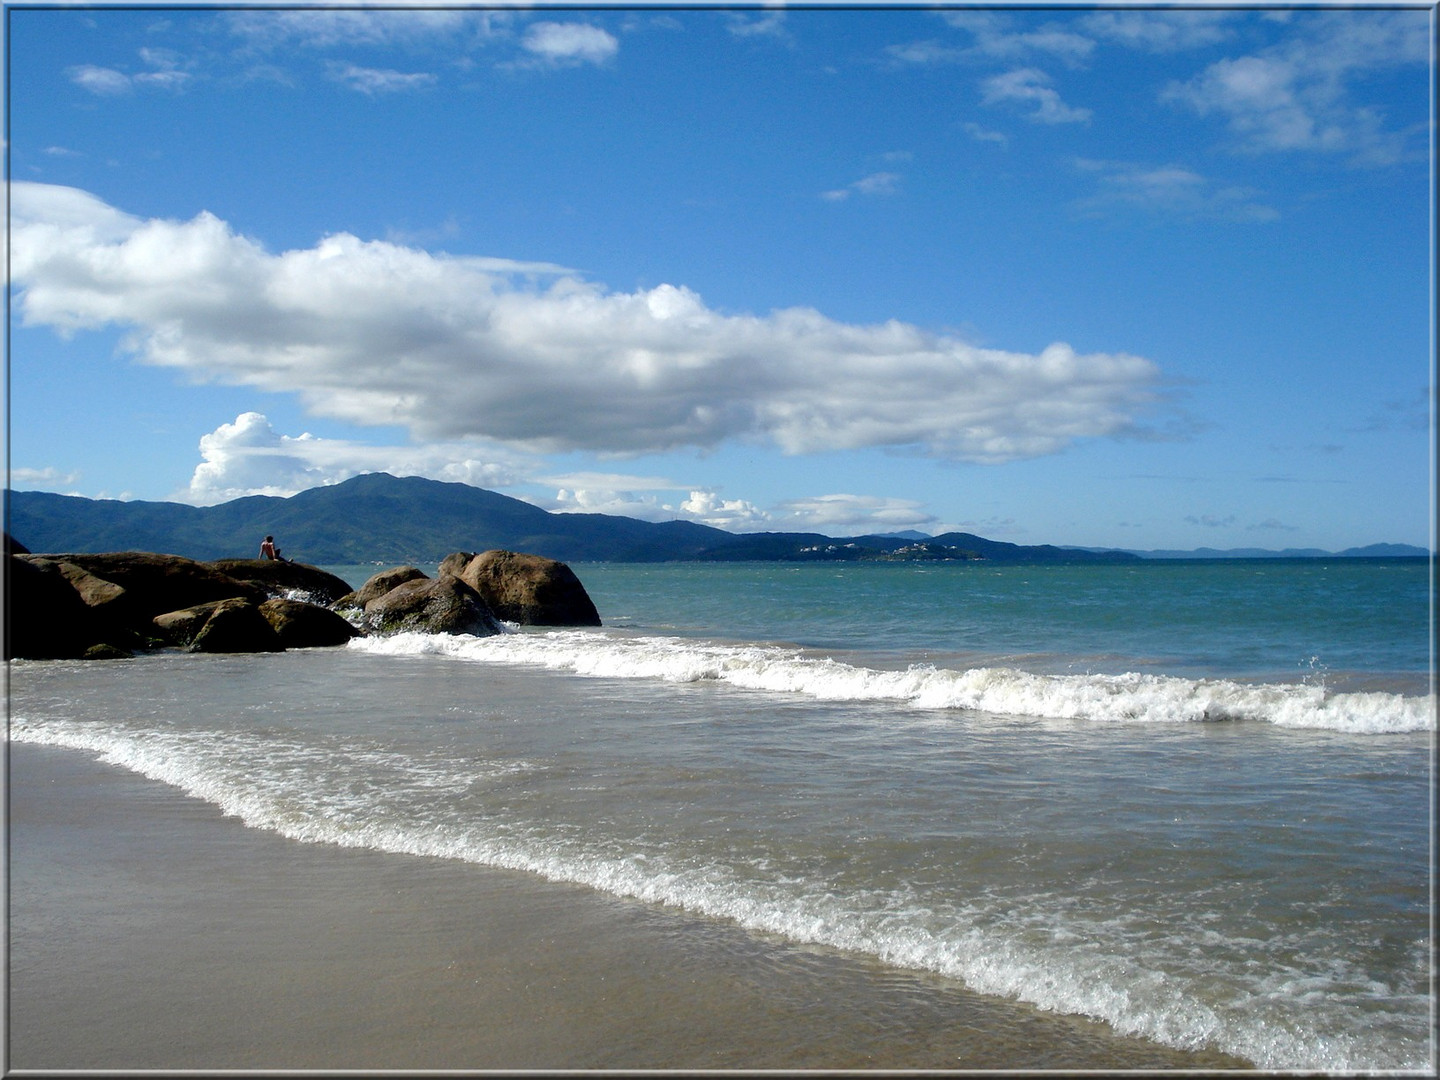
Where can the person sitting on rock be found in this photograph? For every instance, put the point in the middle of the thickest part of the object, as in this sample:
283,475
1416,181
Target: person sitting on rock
268,550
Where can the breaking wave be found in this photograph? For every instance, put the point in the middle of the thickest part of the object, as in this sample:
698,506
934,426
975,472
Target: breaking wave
1128,697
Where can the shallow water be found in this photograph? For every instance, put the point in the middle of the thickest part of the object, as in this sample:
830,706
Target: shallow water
1195,854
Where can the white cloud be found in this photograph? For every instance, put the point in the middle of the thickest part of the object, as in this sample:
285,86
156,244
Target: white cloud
620,503
322,29
1160,31
165,73
737,515
925,52
599,481
852,515
880,183
1173,190
459,348
1029,86
771,24
249,457
569,43
1297,95
378,81
980,134
834,515
634,497
995,36
46,479
107,82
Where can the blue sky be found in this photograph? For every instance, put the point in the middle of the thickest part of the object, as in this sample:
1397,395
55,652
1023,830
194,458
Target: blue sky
1133,278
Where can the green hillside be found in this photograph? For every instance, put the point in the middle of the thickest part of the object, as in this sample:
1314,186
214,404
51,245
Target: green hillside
378,518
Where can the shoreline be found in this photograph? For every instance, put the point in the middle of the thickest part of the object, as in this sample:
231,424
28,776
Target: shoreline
149,931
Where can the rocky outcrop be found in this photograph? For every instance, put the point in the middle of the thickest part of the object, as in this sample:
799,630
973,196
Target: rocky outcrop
377,585
444,605
111,605
154,584
118,603
48,620
306,626
292,580
527,589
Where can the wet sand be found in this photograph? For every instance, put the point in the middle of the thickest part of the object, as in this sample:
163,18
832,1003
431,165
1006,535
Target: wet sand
148,931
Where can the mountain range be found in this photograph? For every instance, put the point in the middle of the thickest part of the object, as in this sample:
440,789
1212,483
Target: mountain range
379,518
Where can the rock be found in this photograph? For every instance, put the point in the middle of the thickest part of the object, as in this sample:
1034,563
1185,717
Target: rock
295,581
527,589
48,620
443,606
94,591
155,584
454,564
305,626
237,626
377,585
14,547
106,652
180,627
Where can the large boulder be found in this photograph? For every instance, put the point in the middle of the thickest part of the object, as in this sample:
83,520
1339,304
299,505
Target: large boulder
222,626
295,581
48,619
527,589
377,585
180,627
305,626
441,606
155,584
96,592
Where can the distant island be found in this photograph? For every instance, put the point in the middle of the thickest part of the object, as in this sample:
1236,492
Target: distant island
379,518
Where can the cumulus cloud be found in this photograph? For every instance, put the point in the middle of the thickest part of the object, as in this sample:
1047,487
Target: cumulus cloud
737,515
249,457
1298,94
452,347
569,43
1030,86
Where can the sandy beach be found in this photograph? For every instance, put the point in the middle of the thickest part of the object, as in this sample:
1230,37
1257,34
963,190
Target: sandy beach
148,931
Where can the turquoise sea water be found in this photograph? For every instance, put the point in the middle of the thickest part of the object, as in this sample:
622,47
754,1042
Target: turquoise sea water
1190,800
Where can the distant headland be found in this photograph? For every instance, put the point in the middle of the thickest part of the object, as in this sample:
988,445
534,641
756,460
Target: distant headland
379,518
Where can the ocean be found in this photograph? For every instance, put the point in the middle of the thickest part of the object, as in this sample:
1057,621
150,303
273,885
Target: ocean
1189,800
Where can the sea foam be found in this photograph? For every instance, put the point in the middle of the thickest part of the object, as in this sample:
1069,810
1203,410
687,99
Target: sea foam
294,790
1129,697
